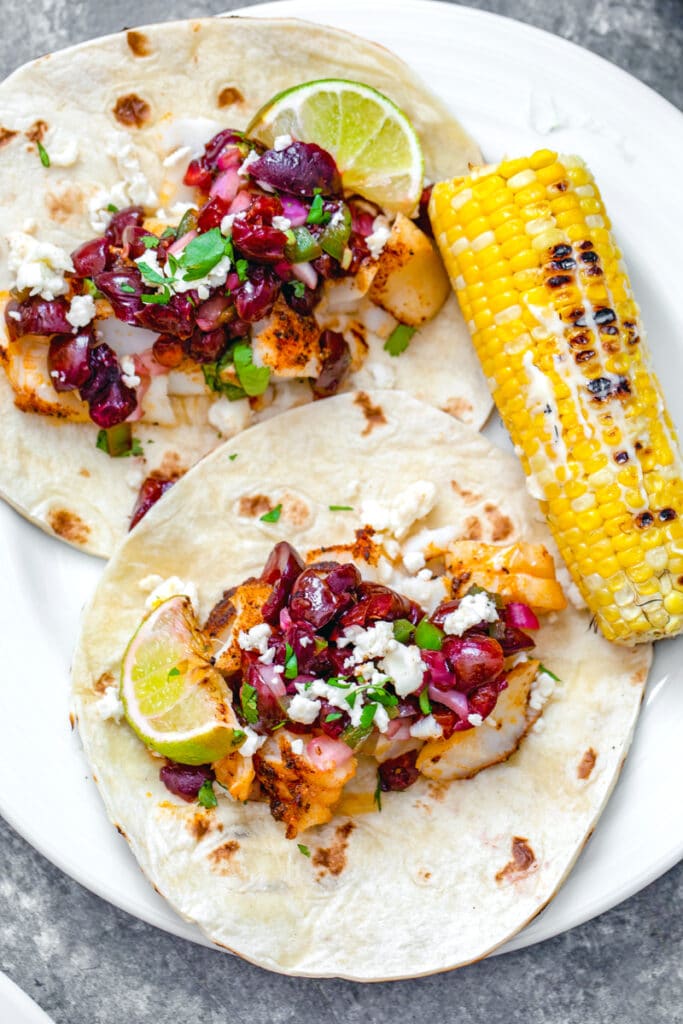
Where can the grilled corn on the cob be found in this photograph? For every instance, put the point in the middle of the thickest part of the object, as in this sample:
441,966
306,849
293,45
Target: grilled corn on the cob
545,293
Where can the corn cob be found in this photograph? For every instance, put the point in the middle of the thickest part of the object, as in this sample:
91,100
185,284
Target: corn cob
544,291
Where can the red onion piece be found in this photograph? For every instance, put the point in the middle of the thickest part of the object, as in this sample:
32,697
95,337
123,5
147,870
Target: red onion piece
521,616
305,272
453,699
177,247
241,202
326,754
226,185
295,211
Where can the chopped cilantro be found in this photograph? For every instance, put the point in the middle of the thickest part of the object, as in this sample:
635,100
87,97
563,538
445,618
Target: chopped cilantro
317,213
118,441
383,697
378,792
333,716
173,672
425,703
340,508
291,663
351,698
215,376
188,222
367,716
168,233
428,636
399,339
136,447
237,736
272,516
254,379
161,298
202,254
150,241
241,267
150,274
299,289
206,796
43,154
128,289
233,456
542,668
278,726
304,849
248,700
403,630
101,441
112,208
341,684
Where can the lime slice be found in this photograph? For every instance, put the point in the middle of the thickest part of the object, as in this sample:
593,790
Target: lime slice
173,698
372,141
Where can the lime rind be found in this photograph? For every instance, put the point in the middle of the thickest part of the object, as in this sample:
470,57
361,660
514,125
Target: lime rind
373,142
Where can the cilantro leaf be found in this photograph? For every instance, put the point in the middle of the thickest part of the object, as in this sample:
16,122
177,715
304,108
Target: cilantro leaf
254,379
150,274
112,208
340,508
248,700
150,241
317,213
272,516
403,630
378,792
215,377
399,339
202,254
206,796
128,289
233,456
333,716
91,288
161,298
101,441
304,849
241,267
238,736
136,447
367,716
175,671
299,289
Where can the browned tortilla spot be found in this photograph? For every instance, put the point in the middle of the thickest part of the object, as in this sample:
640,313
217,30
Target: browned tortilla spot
222,856
139,43
374,414
68,525
131,110
523,862
253,505
587,763
294,510
203,822
84,472
61,205
72,720
332,858
468,497
229,95
36,133
105,680
460,408
6,135
425,874
471,529
120,830
639,677
501,525
437,790
170,467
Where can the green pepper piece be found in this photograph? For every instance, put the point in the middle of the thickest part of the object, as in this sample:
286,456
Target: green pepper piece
302,246
336,234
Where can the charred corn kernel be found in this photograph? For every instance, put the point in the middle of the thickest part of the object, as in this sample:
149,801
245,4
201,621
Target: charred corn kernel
560,339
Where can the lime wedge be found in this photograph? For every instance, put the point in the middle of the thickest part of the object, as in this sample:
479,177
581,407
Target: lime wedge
372,141
173,698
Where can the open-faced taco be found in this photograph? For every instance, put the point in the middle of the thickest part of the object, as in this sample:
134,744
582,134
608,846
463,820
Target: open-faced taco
335,699
181,258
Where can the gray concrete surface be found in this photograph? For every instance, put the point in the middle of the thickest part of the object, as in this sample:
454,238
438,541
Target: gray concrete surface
85,962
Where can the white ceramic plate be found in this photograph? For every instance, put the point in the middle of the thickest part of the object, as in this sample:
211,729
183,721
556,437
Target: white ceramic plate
18,1008
510,85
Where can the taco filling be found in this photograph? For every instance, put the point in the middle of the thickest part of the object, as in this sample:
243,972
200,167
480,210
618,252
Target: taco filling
272,274
312,670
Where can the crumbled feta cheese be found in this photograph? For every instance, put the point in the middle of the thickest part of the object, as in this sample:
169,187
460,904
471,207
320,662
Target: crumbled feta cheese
427,592
413,561
491,722
303,709
13,314
37,266
243,169
374,642
542,690
282,142
305,641
381,719
475,720
297,746
473,608
176,156
426,729
282,223
173,587
81,311
29,225
62,152
268,657
128,374
227,222
383,376
414,503
109,705
229,418
135,477
132,190
405,667
256,638
519,659
379,237
213,279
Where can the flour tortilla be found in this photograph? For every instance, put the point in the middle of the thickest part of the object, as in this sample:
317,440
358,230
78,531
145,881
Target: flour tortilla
443,874
221,70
